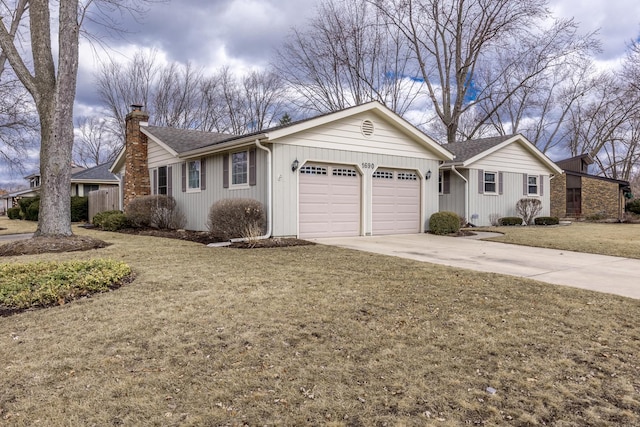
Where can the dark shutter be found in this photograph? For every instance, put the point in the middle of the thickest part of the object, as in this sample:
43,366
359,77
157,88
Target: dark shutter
154,183
225,171
500,186
525,184
541,185
169,181
446,182
203,174
184,177
481,181
252,167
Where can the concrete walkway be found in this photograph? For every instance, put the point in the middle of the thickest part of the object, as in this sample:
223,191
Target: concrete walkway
8,237
600,273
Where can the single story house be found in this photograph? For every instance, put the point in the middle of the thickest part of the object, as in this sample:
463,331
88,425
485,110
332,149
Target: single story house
578,194
488,176
359,171
83,181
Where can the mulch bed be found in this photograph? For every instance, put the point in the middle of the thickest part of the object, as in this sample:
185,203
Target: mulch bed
40,245
205,238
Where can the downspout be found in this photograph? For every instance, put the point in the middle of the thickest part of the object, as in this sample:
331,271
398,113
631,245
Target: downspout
466,192
267,234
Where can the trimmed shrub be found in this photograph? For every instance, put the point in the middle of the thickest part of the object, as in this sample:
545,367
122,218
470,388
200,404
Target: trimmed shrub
444,223
13,213
158,211
633,206
25,205
79,208
32,211
114,222
101,216
234,218
547,220
598,216
510,220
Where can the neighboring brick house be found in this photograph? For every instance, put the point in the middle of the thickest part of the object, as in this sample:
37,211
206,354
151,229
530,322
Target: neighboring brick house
578,194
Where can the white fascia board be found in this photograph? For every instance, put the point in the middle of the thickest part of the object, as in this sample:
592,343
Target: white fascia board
159,142
118,163
525,143
95,181
373,106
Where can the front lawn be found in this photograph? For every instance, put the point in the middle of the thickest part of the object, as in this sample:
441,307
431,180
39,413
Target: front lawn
316,335
16,226
596,238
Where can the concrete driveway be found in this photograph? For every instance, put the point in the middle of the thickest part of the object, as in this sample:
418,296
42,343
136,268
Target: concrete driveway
595,272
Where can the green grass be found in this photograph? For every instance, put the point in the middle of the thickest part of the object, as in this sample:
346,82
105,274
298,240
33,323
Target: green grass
621,240
317,335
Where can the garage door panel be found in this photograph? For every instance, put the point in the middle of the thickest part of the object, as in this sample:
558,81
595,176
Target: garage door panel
396,202
329,201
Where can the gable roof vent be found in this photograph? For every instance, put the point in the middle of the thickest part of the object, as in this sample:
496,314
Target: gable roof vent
367,127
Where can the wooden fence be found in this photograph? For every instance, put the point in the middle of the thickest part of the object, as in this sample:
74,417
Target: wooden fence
103,200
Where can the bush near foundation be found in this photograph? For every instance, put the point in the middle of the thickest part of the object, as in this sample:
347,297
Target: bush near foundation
13,213
510,220
235,218
444,223
158,211
633,206
547,220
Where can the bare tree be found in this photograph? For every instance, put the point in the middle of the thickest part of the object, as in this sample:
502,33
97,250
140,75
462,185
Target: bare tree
18,122
94,144
121,85
606,124
449,38
345,56
176,96
52,84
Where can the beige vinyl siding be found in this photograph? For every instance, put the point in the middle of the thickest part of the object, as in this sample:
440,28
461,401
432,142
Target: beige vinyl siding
482,206
285,182
158,156
195,205
454,201
345,135
512,158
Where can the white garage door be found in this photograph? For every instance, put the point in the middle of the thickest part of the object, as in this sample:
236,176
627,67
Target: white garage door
329,201
396,202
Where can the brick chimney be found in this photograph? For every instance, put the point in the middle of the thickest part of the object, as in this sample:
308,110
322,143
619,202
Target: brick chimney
136,176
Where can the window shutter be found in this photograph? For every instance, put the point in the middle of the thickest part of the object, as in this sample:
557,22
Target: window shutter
203,174
169,181
252,166
446,182
525,184
184,177
480,181
500,186
154,182
225,171
541,185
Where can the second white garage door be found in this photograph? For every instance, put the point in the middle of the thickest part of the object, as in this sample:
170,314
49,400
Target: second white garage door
396,202
329,202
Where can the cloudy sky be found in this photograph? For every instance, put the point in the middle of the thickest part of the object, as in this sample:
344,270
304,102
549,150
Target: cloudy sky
243,34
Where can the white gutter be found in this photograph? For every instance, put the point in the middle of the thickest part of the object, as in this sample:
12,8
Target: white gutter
466,192
267,234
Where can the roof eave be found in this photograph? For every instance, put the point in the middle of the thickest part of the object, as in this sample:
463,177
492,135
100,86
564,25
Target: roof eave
223,146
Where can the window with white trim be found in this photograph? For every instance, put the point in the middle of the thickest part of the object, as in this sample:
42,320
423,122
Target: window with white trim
490,182
193,175
162,180
532,184
240,168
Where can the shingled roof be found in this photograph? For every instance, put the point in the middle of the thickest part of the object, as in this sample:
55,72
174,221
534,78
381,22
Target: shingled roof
182,140
96,173
465,150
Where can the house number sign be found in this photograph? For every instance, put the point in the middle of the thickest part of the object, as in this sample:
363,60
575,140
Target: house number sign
368,166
